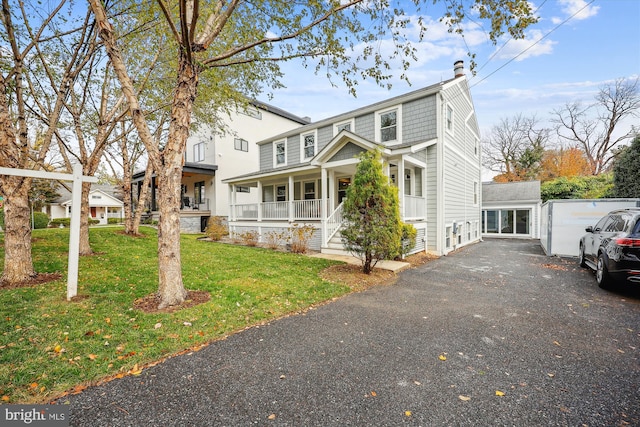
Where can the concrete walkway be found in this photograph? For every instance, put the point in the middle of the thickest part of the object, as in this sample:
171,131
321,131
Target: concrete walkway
395,266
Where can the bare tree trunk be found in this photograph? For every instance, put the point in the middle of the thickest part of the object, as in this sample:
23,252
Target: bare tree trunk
171,288
143,197
85,247
18,264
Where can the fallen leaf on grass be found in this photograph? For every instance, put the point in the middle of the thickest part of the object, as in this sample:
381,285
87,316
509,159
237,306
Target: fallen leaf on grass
135,370
6,398
92,356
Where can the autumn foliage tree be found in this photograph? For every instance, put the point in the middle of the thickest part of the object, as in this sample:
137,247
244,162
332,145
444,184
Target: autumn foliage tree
563,162
372,227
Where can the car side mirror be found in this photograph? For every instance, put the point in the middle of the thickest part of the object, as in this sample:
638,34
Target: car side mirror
589,229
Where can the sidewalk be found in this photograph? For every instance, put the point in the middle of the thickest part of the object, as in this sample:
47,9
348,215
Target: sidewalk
395,266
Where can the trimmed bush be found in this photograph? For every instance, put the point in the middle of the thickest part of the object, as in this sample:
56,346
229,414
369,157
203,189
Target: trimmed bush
55,222
216,228
40,220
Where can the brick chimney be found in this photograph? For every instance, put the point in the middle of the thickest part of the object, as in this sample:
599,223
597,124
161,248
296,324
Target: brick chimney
458,68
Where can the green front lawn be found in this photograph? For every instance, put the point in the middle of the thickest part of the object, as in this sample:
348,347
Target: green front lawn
49,346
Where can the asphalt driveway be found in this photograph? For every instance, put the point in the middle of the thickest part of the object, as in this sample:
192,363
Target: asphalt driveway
496,334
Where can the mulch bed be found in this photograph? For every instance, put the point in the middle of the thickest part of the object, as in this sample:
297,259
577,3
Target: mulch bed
38,279
150,303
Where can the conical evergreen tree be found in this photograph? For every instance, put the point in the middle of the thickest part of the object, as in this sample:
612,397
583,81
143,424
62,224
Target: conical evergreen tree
372,229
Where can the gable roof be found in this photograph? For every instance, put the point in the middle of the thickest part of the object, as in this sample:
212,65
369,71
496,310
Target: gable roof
112,191
390,102
511,191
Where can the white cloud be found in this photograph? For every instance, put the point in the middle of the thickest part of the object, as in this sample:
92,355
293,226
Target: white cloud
531,46
580,8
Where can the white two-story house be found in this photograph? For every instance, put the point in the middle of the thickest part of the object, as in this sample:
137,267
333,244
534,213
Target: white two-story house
429,140
212,156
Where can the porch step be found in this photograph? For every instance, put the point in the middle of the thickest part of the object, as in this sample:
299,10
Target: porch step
334,251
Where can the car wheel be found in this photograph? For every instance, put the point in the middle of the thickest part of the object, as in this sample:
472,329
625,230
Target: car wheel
581,259
602,275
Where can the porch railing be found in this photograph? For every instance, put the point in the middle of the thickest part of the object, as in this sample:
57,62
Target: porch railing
246,211
307,209
414,207
333,223
275,210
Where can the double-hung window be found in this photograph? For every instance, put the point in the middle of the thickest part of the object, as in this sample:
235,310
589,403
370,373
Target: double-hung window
308,146
388,126
449,119
280,153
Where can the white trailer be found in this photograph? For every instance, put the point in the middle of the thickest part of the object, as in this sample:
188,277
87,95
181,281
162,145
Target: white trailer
563,221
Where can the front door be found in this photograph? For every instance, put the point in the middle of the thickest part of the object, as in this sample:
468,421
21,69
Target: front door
93,212
343,184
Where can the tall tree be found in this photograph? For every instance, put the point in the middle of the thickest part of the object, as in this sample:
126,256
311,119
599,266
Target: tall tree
563,162
33,46
372,229
596,127
515,148
236,47
626,171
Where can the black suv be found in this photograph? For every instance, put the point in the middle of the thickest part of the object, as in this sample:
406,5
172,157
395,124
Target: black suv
612,248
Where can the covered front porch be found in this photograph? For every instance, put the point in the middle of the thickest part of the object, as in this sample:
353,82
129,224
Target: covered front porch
313,193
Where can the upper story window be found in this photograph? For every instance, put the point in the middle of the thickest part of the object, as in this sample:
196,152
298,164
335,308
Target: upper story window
198,152
449,118
388,126
308,146
344,126
253,112
241,144
279,153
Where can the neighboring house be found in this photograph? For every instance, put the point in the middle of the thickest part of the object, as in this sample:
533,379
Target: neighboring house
511,209
104,203
429,140
212,156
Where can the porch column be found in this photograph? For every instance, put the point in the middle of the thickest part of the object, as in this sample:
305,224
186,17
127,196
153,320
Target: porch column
259,200
323,204
400,181
332,191
291,195
232,202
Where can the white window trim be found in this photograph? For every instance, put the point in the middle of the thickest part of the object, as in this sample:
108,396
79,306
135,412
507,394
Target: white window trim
398,110
350,122
275,153
476,193
453,119
199,149
243,143
303,158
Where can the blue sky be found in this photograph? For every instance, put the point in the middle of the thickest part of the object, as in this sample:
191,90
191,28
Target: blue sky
576,47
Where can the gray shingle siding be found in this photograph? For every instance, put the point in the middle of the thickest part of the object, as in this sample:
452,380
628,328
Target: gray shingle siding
293,150
419,120
266,156
325,134
349,151
365,127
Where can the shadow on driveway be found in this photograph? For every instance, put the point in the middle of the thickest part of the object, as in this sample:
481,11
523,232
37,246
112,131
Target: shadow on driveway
495,334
